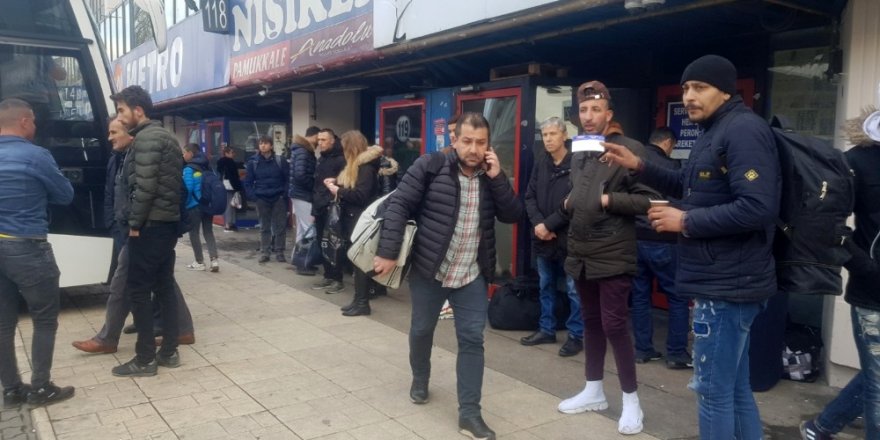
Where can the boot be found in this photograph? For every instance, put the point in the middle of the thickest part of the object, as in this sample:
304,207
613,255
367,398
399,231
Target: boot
350,305
360,305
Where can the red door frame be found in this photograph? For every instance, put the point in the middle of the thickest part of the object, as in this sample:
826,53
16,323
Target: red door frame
403,103
515,92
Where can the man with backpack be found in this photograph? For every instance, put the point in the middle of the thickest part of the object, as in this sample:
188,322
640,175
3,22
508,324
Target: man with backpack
730,191
194,178
452,260
266,181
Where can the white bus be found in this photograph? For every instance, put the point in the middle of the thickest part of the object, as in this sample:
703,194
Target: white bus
51,57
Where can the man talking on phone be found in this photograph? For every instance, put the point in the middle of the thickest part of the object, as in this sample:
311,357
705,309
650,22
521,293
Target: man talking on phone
451,260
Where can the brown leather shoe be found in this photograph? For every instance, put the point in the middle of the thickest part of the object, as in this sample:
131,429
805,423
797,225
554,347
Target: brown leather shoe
94,346
184,339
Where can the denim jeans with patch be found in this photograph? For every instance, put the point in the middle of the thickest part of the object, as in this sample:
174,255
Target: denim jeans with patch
862,394
726,406
549,272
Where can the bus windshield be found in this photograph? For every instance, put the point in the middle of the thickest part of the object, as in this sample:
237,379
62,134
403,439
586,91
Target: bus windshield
49,18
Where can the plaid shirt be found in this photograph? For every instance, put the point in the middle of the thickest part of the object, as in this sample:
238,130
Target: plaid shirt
459,266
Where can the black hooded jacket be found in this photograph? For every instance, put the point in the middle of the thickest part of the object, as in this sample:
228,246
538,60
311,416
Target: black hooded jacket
329,165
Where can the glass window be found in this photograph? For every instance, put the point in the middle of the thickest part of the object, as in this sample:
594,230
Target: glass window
801,91
39,17
402,133
552,101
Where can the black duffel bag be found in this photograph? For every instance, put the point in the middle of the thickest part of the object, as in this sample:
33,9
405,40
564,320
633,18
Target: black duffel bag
516,306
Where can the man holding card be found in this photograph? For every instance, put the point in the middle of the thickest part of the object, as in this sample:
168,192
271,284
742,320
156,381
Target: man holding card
602,206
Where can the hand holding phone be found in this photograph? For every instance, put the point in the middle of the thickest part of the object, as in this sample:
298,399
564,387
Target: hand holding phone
491,163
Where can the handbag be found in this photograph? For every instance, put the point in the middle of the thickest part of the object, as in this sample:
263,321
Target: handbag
365,243
307,251
333,240
236,199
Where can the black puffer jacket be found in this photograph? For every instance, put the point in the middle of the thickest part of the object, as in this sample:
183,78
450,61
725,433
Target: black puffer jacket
366,189
861,290
227,168
302,170
329,165
434,203
154,166
113,166
602,241
548,187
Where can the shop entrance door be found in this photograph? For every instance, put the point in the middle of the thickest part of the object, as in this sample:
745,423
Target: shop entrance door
502,108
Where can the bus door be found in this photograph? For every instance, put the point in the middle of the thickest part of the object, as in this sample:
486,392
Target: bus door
503,109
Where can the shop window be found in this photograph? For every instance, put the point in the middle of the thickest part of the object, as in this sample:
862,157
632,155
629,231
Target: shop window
801,90
552,101
403,131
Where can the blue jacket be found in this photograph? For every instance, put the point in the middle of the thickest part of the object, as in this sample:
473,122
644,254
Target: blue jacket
726,253
192,179
113,167
29,181
302,170
266,178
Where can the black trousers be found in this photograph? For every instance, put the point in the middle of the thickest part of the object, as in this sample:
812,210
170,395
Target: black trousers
151,270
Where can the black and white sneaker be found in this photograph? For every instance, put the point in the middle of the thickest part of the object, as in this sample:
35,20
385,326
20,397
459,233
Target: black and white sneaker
49,394
172,361
475,428
134,368
14,397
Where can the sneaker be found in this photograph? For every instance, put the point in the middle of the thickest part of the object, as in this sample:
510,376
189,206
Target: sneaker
134,368
16,396
418,392
323,284
538,338
215,265
129,329
335,287
809,431
49,394
679,361
172,361
643,357
263,259
195,265
475,428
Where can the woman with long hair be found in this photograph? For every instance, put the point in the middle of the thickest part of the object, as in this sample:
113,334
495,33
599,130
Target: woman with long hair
355,188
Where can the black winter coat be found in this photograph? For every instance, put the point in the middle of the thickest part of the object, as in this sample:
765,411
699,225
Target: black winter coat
227,168
434,203
329,165
266,177
113,167
302,170
549,185
726,251
861,290
354,200
154,170
602,241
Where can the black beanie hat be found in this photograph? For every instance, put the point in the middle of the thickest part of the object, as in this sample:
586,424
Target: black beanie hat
712,69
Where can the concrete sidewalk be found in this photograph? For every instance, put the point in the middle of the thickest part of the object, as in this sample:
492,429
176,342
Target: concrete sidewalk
273,362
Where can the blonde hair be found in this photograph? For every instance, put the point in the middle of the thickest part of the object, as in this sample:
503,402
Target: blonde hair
353,144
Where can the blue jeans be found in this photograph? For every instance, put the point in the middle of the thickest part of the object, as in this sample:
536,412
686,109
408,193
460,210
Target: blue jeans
862,394
549,272
28,271
726,406
658,259
470,305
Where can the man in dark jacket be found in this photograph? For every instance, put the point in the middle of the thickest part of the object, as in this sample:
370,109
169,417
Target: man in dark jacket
726,223
602,206
266,181
227,168
859,397
154,172
452,260
119,141
548,187
301,187
329,165
658,259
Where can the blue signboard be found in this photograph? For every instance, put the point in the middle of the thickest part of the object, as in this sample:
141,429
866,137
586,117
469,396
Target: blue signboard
685,131
195,61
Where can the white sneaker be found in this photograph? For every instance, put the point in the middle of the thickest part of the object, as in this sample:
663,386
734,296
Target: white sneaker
215,265
195,265
631,416
592,398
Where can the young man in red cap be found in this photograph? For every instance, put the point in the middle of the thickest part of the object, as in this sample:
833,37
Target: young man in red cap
602,206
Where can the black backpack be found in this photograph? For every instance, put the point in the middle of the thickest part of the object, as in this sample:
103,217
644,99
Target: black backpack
213,200
818,196
516,306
